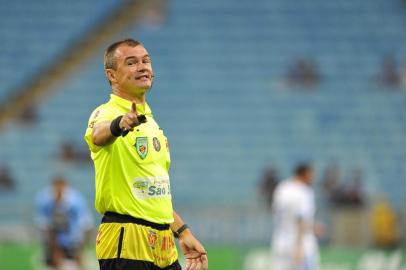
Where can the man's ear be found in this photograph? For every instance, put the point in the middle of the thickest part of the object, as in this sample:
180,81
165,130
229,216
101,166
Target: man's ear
111,75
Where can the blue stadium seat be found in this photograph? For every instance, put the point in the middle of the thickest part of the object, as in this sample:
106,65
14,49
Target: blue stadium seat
219,94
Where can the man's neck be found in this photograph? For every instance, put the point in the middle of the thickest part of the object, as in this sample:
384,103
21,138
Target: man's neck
300,180
138,99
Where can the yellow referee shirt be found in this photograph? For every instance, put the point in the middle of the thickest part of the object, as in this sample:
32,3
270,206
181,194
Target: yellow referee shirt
132,172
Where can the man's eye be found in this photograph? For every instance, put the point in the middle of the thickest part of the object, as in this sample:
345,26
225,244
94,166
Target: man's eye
146,61
130,63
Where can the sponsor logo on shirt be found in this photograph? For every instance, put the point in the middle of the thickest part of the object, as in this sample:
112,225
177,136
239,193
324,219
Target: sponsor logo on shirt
152,187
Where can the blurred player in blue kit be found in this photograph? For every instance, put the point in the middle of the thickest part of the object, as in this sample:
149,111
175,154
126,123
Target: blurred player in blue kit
65,221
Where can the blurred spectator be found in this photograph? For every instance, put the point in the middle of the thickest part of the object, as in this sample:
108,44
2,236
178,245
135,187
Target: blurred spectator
28,115
354,193
384,224
155,13
331,182
65,222
304,72
69,153
389,75
268,184
7,182
338,193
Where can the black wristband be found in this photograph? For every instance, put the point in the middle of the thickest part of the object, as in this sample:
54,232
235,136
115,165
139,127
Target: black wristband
181,230
141,119
115,127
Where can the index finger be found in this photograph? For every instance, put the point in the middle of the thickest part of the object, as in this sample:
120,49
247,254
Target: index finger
134,107
205,262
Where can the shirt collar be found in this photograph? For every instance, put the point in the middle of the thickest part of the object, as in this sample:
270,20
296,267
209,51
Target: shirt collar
126,105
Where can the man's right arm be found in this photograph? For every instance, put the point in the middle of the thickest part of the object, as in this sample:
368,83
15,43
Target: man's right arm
102,132
299,245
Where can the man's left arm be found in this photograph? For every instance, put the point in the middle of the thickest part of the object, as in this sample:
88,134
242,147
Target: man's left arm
195,254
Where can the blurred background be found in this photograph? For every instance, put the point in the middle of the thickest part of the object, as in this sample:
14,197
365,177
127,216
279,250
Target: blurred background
245,90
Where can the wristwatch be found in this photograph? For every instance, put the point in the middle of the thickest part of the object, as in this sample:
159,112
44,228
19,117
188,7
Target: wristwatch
180,230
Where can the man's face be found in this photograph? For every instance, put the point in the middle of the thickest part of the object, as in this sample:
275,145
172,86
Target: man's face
309,176
59,187
134,70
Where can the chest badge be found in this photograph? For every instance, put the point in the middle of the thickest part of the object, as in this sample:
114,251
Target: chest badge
141,144
157,144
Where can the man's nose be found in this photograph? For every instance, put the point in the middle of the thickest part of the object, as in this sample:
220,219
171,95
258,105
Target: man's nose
141,66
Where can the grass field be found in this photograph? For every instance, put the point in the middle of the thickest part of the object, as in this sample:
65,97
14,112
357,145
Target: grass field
227,257
27,257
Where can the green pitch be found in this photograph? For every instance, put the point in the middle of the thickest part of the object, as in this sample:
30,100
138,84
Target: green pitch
15,257
227,257
28,257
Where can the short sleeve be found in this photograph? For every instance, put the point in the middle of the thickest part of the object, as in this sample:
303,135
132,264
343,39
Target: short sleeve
41,214
99,115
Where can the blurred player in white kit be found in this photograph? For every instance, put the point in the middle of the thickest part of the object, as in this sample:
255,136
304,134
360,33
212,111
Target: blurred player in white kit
294,243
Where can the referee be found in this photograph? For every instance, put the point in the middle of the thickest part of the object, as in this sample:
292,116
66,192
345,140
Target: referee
132,160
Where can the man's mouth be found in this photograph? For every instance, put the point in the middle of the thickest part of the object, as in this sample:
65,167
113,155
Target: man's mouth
143,77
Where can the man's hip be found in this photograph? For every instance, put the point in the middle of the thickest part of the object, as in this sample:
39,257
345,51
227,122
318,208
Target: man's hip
124,242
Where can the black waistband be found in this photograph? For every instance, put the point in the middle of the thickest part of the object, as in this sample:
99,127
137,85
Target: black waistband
111,217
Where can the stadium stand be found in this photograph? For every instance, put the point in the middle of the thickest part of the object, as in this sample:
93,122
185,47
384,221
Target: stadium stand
220,94
34,33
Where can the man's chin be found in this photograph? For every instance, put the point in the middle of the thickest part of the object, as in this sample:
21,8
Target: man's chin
142,89
145,89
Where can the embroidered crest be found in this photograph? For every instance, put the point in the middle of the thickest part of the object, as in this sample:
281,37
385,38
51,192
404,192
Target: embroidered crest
156,143
141,144
152,237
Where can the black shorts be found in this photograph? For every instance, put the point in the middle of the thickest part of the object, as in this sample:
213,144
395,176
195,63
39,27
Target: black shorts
125,264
